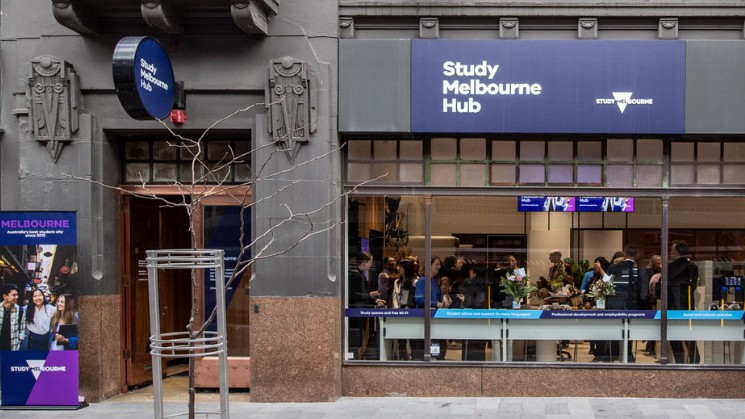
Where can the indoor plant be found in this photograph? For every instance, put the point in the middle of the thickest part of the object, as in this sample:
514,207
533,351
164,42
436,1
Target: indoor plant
601,289
517,287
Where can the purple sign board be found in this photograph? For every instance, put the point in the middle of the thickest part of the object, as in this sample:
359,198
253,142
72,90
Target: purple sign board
605,204
25,228
34,378
575,204
39,253
519,86
546,203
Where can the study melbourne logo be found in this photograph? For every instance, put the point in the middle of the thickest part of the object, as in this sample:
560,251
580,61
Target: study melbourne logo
36,367
622,100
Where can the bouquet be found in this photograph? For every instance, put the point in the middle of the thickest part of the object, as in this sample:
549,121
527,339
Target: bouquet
602,288
556,279
517,286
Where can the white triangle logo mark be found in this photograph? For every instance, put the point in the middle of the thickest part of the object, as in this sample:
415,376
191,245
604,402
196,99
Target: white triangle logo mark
622,99
36,365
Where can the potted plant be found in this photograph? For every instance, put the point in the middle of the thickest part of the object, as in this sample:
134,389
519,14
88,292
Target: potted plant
517,287
601,289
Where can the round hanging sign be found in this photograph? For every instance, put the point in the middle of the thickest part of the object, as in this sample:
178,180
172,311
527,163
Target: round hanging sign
143,77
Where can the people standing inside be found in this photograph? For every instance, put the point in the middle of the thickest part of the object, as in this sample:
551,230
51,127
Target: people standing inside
474,290
360,290
559,275
631,289
12,325
386,279
61,337
38,320
438,299
402,296
361,295
654,273
683,279
506,269
631,283
599,266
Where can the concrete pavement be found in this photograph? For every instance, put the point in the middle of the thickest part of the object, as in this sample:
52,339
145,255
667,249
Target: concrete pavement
403,407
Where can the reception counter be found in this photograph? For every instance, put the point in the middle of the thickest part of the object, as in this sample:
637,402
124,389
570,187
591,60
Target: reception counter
547,327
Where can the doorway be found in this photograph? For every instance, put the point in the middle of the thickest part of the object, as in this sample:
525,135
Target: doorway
148,224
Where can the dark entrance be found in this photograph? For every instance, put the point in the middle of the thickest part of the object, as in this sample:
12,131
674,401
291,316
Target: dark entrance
147,224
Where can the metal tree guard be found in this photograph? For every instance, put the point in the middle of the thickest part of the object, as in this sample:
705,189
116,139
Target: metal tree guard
178,344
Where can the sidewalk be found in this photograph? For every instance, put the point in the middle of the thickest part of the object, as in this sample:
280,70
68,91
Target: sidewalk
402,407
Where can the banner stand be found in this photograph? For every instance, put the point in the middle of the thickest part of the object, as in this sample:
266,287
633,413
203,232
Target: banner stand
38,254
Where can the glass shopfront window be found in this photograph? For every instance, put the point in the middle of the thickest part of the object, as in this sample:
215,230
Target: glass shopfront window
485,245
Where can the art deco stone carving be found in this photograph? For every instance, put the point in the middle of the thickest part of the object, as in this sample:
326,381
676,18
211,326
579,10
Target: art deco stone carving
52,97
290,101
509,28
346,27
668,28
587,28
429,28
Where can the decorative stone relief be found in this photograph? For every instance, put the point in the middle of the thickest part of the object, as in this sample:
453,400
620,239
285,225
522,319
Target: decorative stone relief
509,28
587,28
429,28
346,27
668,28
290,102
51,95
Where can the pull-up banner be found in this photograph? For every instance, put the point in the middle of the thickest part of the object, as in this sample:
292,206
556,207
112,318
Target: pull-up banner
518,86
38,255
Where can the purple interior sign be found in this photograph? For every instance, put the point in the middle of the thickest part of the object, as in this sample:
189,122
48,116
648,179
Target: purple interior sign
495,86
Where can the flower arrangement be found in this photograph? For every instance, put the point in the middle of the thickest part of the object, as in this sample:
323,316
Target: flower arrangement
556,280
602,288
517,286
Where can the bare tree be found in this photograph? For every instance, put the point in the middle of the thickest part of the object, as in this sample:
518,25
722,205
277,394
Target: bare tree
211,179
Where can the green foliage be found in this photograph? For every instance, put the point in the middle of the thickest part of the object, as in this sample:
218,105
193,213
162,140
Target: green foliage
578,270
517,286
602,289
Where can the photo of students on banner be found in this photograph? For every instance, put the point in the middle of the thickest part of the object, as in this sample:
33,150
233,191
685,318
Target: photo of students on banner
39,317
38,296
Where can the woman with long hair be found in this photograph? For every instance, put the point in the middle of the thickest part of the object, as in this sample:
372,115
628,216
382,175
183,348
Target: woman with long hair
64,315
38,318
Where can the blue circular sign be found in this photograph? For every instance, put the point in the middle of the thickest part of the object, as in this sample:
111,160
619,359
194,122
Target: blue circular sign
143,78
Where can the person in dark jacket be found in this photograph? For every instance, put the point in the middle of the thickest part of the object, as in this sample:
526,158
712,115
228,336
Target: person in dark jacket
360,294
632,291
683,278
632,287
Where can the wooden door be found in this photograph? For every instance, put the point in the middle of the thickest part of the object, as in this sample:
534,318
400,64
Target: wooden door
147,225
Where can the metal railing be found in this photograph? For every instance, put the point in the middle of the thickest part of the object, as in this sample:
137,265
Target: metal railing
180,344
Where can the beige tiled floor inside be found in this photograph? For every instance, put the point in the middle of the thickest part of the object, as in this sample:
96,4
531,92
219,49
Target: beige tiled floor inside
582,352
175,390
